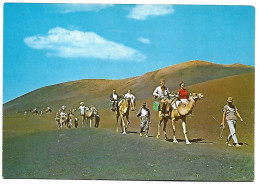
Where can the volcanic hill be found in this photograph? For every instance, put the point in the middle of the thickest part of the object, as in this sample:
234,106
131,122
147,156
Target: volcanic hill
97,91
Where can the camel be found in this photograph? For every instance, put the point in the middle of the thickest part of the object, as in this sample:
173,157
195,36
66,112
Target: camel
92,114
164,116
57,119
180,113
35,111
48,109
62,120
89,116
68,119
123,112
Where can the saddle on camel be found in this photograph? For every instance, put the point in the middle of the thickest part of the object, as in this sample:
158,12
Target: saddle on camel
162,101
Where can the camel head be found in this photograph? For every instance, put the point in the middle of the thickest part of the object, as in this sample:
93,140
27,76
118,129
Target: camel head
196,96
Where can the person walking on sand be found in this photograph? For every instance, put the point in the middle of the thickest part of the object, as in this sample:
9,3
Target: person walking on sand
229,112
144,112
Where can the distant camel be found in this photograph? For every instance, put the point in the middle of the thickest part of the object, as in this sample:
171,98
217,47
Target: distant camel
35,111
68,119
62,120
123,113
48,109
57,119
180,113
92,114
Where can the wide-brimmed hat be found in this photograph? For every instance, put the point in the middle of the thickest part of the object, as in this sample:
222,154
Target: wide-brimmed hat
162,80
144,104
81,103
230,99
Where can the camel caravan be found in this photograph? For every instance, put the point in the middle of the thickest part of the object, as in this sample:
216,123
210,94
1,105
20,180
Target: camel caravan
170,106
35,111
87,114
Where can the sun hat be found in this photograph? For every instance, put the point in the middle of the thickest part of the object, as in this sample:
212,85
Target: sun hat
230,99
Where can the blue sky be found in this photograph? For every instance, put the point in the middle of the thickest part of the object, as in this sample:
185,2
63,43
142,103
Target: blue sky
46,44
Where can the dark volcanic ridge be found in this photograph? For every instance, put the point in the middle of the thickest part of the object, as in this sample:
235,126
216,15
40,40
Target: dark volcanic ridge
96,91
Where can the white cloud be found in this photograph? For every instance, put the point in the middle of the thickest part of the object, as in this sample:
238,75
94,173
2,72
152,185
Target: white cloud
141,12
73,44
144,40
68,8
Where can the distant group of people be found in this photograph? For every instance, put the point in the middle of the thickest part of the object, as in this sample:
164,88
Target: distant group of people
161,92
69,117
37,112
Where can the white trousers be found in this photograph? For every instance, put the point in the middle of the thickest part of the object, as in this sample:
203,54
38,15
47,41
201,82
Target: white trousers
232,128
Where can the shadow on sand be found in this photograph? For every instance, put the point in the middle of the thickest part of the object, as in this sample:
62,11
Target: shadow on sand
195,140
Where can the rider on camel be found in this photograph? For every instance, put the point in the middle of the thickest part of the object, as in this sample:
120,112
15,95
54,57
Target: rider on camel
163,93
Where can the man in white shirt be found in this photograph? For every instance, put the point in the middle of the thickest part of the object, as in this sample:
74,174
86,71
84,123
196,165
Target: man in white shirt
114,98
63,108
144,112
82,109
158,92
130,96
163,93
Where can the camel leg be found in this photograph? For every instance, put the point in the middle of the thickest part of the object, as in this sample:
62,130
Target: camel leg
90,122
164,127
117,130
127,121
174,131
185,131
123,125
82,121
159,128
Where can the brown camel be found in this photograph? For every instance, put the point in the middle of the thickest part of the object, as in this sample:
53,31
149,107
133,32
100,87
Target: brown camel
48,109
123,113
180,113
164,115
92,115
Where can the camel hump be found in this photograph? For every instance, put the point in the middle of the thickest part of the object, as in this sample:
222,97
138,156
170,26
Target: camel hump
89,113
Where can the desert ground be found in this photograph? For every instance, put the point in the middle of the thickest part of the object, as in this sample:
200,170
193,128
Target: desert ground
33,147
